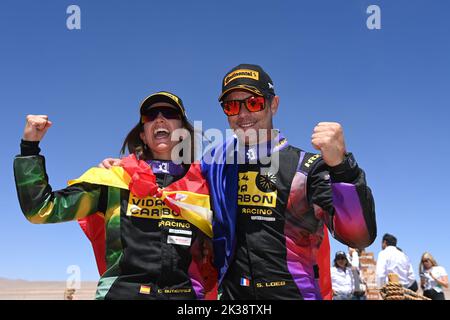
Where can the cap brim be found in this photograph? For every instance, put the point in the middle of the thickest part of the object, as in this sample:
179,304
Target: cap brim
242,87
158,97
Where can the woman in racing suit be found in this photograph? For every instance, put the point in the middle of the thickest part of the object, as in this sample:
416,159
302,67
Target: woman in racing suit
151,215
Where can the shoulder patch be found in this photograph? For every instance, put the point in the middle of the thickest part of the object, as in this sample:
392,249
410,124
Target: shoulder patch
308,160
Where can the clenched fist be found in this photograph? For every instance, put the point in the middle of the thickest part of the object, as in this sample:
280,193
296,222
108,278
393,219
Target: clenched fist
328,137
36,127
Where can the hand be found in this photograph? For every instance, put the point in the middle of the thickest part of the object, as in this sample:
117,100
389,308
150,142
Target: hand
422,282
36,127
109,162
328,137
432,276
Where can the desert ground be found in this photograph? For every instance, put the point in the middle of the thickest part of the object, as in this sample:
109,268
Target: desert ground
54,290
44,290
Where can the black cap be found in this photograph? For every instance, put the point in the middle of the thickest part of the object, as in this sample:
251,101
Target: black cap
340,254
163,96
249,77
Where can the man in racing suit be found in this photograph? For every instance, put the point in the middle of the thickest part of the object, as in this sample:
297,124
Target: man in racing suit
266,242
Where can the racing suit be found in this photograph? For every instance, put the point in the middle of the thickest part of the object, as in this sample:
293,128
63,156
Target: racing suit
151,252
277,227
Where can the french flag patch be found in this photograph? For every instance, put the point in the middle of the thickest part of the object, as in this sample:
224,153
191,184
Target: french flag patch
245,282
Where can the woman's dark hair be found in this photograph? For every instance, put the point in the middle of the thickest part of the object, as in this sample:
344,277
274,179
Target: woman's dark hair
135,145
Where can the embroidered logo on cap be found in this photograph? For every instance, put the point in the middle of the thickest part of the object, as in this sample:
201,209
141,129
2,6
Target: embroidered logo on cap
241,73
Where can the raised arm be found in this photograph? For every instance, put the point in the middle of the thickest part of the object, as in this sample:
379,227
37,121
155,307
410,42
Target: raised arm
338,186
37,200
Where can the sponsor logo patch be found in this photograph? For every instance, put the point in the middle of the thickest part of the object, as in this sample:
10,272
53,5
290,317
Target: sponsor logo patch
263,218
183,241
177,231
256,191
311,160
241,73
150,208
266,183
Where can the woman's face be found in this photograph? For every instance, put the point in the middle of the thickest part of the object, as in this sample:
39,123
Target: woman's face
341,262
158,129
426,263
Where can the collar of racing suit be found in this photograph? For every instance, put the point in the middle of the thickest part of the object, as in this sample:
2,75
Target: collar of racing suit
167,167
262,150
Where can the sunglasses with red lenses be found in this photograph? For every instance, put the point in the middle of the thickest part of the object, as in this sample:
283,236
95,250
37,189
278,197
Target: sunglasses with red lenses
233,107
168,113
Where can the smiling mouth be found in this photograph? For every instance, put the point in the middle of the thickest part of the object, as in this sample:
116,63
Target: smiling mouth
246,125
161,133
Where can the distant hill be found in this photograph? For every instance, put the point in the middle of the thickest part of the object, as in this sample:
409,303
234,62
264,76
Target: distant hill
55,290
43,290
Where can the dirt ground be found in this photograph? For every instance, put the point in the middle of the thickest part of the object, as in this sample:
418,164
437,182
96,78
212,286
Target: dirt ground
49,290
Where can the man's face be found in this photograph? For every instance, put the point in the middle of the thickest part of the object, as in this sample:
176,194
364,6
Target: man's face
247,124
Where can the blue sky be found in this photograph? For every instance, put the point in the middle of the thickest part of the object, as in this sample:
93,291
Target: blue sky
389,89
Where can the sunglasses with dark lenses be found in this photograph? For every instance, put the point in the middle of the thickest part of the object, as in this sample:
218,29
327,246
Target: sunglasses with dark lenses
233,107
168,113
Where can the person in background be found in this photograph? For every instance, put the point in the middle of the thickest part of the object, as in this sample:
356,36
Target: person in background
342,280
393,260
353,257
432,278
359,291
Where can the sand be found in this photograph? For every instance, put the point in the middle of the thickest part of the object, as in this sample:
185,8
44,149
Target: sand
55,290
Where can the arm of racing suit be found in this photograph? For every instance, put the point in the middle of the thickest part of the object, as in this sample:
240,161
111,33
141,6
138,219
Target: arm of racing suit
343,194
42,205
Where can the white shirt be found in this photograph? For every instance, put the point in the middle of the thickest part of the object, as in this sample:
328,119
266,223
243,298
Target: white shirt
430,283
354,259
342,281
392,260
